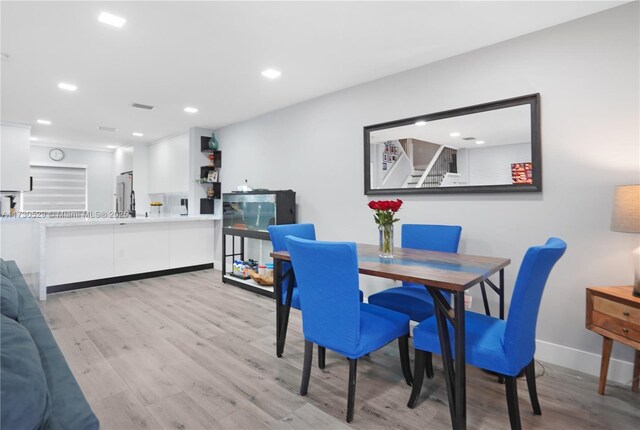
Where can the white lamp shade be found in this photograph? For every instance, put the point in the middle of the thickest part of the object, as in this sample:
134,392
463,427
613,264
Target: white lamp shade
626,209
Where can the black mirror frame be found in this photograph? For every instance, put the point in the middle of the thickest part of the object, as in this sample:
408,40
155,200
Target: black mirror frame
536,149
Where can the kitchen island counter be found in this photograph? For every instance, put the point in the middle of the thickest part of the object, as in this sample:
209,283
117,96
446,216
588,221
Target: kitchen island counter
73,222
84,252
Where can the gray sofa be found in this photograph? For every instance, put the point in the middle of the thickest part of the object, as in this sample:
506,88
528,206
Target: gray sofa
38,390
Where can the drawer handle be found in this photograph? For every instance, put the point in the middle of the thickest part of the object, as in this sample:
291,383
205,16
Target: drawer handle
625,313
625,330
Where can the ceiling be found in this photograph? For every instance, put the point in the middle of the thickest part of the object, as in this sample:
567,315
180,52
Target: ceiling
210,55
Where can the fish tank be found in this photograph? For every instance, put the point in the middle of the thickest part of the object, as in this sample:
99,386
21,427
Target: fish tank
256,210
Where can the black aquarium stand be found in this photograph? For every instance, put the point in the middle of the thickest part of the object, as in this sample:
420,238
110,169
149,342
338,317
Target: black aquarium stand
237,238
246,215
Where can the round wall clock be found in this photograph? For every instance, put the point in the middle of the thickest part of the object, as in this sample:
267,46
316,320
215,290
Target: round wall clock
56,154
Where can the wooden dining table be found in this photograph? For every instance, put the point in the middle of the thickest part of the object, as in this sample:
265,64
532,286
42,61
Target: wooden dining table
438,272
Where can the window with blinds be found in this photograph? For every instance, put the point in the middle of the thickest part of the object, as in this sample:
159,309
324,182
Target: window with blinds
57,188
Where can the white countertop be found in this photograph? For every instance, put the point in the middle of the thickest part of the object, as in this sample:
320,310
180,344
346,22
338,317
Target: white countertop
73,222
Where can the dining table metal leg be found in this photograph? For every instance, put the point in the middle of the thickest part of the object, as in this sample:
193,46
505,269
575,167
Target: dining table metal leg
453,377
460,367
485,300
277,291
501,294
499,290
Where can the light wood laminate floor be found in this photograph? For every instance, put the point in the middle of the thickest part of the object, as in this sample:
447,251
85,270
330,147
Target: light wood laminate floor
188,352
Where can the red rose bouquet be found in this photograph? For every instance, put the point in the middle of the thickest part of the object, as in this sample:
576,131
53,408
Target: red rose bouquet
385,211
384,216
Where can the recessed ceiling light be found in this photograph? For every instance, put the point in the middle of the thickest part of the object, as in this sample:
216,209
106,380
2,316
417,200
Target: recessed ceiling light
479,142
33,139
44,122
68,87
190,109
138,134
112,146
107,18
454,134
421,123
271,73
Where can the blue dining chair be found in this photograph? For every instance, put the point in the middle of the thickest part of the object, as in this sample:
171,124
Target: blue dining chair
413,299
332,314
278,233
504,347
289,296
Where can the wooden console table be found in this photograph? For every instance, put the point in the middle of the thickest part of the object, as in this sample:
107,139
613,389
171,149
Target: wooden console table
614,313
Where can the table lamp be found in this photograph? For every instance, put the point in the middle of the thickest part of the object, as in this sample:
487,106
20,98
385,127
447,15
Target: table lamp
626,219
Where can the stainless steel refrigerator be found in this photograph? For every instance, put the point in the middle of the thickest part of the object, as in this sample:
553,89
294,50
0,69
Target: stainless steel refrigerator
125,197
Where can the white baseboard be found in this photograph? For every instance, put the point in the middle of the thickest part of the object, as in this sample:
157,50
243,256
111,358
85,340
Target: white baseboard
582,361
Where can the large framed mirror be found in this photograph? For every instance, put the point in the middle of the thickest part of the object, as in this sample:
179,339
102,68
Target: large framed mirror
488,148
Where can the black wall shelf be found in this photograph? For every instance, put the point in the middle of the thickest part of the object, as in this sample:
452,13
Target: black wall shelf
217,189
204,144
207,204
204,171
217,159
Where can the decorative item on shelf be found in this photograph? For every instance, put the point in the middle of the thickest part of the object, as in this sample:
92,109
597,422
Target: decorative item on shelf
213,142
244,187
211,193
626,219
384,216
212,176
211,163
156,208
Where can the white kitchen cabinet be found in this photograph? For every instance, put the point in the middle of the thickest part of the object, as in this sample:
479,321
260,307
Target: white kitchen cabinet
14,157
140,248
190,244
76,254
168,165
85,250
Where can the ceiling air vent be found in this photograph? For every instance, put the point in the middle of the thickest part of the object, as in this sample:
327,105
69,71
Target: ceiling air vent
109,129
141,106
468,138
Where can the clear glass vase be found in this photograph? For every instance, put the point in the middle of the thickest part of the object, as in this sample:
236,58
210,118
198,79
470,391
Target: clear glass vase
386,241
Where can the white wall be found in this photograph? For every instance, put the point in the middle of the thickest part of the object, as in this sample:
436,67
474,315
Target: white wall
100,176
587,74
123,160
14,157
168,165
140,179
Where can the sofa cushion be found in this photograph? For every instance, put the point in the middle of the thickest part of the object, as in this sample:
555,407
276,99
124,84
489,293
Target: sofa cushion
25,397
69,408
4,268
8,298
